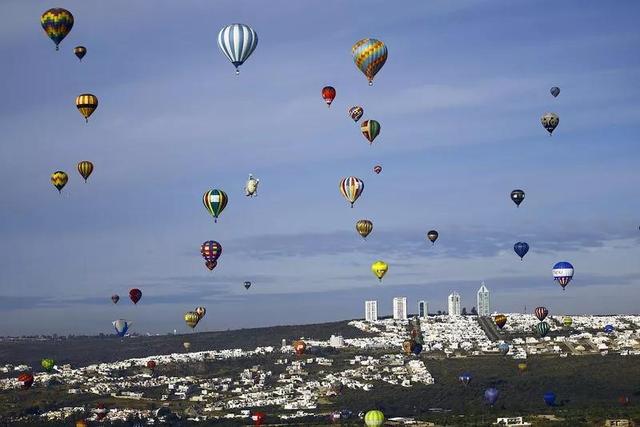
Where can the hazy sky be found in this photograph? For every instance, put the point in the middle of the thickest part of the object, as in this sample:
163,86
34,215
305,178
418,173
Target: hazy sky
459,101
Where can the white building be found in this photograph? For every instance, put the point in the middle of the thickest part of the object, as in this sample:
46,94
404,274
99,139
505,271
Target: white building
400,308
483,301
371,311
454,304
423,308
336,341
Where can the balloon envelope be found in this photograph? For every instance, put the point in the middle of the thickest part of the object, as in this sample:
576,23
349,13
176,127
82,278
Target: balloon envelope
48,364
465,378
500,320
328,94
356,113
521,249
80,52
374,418
351,188
57,23
562,273
237,42
550,121
121,326
364,227
135,294
379,269
377,169
555,91
541,313
517,196
491,395
432,235
550,398
369,55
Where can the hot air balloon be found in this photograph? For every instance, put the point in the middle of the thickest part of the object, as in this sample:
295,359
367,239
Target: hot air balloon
86,104
517,196
215,201
500,320
370,129
432,235
542,329
85,168
258,418
465,378
541,313
624,400
186,345
609,329
59,180
567,321
115,298
521,249
328,94
80,52
200,311
299,347
407,346
379,269
417,349
503,348
247,285
237,42
550,122
191,318
26,380
563,273
374,418
364,227
377,169
356,113
100,411
522,367
211,251
211,265
550,398
555,91
57,23
351,188
151,364
48,364
251,187
135,294
369,56
121,326
491,395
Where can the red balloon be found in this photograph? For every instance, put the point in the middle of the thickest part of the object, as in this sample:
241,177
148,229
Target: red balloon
258,418
151,364
328,94
26,379
377,169
135,295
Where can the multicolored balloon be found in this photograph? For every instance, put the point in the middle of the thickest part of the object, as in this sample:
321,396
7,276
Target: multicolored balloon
541,313
191,318
542,329
364,227
80,52
211,251
465,378
521,249
328,94
299,347
351,188
211,265
135,294
432,235
57,23
370,129
86,103
369,55
550,121
85,168
59,180
562,273
567,321
200,311
237,42
377,169
26,380
356,113
215,201
121,326
500,320
379,269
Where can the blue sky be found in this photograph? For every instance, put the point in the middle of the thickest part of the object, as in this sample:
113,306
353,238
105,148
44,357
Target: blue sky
459,101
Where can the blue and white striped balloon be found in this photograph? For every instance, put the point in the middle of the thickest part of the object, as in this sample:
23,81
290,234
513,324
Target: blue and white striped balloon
237,42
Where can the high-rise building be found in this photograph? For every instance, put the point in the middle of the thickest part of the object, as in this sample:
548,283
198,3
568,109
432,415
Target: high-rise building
400,308
483,301
423,308
454,304
371,311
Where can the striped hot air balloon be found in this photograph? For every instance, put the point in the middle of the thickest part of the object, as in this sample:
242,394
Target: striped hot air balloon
369,55
215,201
541,313
201,311
237,42
85,168
86,104
374,418
563,273
356,112
211,251
57,23
542,329
364,227
59,179
351,188
370,129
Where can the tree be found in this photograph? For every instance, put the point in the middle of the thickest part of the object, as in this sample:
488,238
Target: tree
464,311
474,311
439,312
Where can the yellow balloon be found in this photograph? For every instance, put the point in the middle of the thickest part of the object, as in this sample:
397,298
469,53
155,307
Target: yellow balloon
379,268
